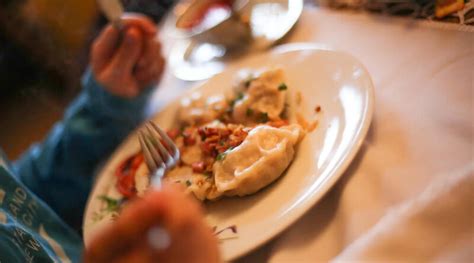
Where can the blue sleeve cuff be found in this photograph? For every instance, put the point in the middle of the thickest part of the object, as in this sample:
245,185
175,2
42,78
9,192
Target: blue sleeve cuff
111,106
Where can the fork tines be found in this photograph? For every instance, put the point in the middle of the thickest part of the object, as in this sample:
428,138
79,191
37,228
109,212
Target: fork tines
158,149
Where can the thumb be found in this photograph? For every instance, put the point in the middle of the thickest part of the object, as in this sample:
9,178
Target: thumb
129,51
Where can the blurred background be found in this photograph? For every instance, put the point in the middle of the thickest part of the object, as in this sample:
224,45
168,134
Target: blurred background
44,47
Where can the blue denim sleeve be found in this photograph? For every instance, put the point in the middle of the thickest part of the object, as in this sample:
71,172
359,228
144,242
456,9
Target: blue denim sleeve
60,169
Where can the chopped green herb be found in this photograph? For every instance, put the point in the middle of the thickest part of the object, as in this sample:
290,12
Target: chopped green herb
221,143
282,86
208,173
247,82
249,112
221,156
240,96
112,205
188,183
229,149
263,117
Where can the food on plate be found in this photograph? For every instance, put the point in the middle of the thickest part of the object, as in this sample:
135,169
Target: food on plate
259,160
230,144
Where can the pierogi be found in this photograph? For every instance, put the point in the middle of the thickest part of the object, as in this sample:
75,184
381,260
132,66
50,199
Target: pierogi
230,145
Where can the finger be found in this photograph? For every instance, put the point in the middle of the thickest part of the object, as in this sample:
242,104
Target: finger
132,224
104,46
150,66
138,20
151,51
127,54
149,74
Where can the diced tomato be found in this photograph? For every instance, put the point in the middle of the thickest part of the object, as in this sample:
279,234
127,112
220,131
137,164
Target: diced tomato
126,186
198,167
173,133
189,138
125,174
189,141
137,161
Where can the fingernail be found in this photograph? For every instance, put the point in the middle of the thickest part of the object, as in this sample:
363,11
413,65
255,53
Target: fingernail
159,238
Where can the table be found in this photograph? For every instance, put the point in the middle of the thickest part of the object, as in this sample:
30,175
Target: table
408,193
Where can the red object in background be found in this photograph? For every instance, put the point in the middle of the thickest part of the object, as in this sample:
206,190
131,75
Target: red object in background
204,10
125,174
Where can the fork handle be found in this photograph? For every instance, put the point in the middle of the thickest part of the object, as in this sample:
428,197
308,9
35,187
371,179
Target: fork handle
156,178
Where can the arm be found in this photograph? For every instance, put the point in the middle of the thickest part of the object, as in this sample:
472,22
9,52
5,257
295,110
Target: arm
59,170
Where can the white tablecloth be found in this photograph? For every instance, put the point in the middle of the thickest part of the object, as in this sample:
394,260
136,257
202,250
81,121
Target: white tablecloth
408,194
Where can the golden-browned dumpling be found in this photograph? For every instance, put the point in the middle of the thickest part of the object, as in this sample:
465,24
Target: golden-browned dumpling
196,110
264,96
201,186
261,158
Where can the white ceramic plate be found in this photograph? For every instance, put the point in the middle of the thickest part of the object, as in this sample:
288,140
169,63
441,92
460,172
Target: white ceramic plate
340,85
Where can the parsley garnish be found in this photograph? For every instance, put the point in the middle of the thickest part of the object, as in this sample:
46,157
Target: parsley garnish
221,156
188,183
247,82
208,173
264,117
249,112
282,86
112,205
240,96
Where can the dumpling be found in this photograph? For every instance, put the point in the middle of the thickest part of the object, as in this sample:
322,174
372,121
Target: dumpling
261,158
196,110
201,186
264,96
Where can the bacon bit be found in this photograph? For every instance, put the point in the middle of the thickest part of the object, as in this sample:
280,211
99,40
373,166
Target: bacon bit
317,109
240,133
209,148
198,167
225,132
205,132
278,123
173,133
189,141
189,138
213,138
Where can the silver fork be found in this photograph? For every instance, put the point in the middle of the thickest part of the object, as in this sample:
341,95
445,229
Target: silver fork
159,151
161,154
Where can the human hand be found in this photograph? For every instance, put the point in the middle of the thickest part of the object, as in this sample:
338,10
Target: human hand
128,239
128,60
